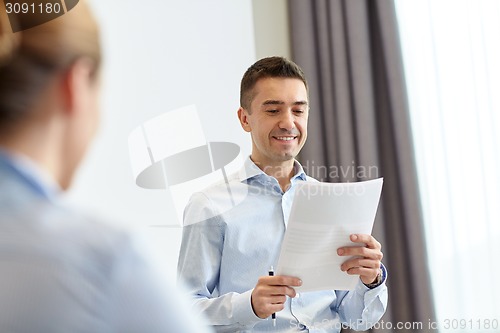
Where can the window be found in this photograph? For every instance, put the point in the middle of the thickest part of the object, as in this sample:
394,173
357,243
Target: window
451,52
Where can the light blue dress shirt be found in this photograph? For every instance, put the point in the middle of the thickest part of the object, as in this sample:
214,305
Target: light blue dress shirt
228,244
61,271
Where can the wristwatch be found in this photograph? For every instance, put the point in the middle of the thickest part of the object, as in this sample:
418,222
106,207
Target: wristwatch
377,282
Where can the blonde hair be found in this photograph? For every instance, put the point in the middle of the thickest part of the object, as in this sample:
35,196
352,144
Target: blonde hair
31,57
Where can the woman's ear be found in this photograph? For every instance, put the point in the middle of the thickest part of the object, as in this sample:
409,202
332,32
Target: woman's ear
77,85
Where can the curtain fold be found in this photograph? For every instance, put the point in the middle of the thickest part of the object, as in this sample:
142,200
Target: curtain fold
359,129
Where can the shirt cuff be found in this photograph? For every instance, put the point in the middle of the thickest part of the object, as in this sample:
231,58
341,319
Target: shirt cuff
374,303
243,311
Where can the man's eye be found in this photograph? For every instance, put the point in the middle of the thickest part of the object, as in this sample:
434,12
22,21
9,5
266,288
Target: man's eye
272,111
298,111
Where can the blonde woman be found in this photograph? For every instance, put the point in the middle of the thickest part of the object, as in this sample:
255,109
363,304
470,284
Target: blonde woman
61,271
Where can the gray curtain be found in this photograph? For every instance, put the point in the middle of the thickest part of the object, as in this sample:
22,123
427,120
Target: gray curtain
359,129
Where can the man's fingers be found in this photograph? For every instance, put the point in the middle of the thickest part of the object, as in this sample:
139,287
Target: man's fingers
269,295
362,271
273,308
280,280
283,280
369,240
279,291
277,299
264,306
278,285
367,258
371,248
361,252
360,262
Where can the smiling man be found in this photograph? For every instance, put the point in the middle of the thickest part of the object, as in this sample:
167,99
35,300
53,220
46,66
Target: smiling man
226,253
274,110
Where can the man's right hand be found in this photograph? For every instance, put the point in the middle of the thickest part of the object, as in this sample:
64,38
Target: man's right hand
269,295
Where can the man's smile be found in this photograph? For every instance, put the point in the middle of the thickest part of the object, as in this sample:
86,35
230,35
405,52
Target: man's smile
285,138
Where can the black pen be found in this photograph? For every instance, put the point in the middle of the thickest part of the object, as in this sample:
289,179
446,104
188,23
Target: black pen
273,316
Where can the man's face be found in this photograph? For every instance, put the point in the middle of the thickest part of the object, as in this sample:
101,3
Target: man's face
277,120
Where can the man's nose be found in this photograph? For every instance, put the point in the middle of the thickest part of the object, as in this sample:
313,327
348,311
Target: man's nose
287,121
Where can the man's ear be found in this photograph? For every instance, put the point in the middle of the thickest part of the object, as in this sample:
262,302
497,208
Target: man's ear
76,84
243,117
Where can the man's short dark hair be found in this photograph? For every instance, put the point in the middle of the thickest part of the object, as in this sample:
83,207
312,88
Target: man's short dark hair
278,67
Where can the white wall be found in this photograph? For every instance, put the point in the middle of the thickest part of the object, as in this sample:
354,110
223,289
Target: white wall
161,55
271,28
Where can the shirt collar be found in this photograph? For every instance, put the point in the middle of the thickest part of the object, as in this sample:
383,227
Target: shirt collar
35,177
251,170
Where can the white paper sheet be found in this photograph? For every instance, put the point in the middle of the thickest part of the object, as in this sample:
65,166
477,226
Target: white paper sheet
322,217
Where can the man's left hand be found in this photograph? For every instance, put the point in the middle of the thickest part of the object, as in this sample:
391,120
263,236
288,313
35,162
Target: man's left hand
366,264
